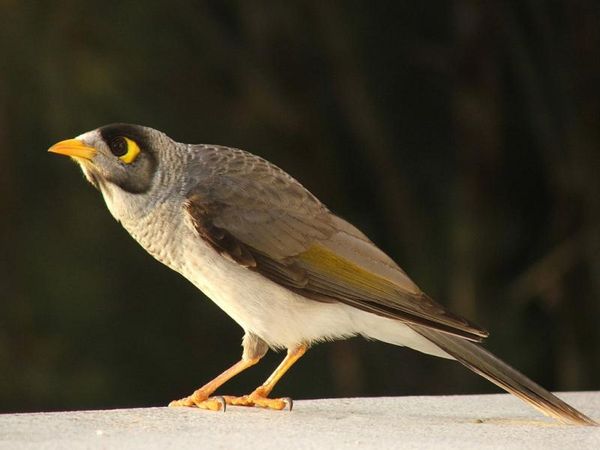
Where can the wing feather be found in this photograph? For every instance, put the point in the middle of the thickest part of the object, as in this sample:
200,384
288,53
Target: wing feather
263,219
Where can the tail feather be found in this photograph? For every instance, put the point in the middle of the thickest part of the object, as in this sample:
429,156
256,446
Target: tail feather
498,372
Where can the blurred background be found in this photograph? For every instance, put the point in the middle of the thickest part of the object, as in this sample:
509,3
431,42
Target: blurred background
462,136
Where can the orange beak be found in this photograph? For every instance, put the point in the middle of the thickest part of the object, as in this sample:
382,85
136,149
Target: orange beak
73,148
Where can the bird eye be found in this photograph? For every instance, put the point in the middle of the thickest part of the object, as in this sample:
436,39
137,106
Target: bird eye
126,149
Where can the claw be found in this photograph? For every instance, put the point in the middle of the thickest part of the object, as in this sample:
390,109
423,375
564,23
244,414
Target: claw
289,402
221,400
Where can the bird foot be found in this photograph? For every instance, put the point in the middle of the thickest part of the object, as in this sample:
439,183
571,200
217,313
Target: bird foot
201,401
259,399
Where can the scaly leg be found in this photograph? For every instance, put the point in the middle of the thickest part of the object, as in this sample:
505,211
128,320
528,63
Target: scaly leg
200,397
259,397
254,349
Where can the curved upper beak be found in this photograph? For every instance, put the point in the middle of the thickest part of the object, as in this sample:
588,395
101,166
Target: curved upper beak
73,148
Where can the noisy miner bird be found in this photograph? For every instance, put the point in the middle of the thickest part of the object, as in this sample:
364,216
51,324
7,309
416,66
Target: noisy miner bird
272,256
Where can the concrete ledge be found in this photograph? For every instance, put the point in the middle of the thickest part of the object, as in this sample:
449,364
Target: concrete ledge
475,421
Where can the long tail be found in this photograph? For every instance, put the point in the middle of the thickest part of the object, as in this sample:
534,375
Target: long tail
498,372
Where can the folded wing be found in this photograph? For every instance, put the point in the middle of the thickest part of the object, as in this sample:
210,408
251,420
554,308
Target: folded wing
263,219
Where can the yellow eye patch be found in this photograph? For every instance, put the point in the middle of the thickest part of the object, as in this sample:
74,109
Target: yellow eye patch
124,148
133,150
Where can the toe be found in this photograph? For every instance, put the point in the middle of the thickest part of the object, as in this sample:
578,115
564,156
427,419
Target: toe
212,404
255,399
271,403
238,401
181,402
200,400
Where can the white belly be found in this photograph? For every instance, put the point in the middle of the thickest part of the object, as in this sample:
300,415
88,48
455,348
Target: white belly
285,319
278,316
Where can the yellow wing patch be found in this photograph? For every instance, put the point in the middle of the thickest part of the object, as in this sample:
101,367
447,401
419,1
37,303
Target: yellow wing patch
339,278
344,271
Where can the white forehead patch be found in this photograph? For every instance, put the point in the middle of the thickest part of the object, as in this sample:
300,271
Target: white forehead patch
88,137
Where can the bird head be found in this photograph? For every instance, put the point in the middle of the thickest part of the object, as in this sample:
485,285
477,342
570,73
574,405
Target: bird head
122,155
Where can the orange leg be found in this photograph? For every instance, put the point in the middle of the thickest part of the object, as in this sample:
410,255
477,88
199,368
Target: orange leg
200,397
259,397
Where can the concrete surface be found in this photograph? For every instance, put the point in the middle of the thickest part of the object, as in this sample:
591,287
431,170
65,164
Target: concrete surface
458,422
